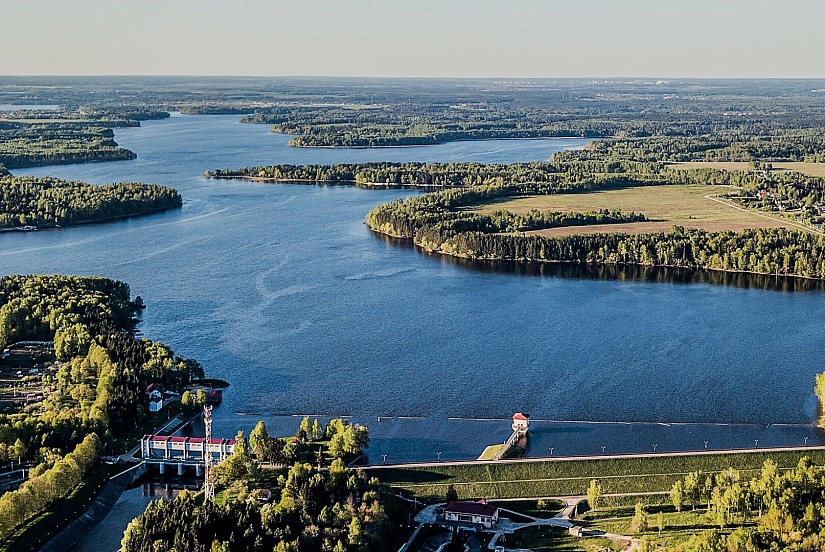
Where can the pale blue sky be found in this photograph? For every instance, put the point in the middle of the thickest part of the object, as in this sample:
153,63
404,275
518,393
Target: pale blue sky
436,38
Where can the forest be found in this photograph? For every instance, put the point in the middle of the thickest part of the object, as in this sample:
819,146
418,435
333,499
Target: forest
96,395
46,202
313,507
32,138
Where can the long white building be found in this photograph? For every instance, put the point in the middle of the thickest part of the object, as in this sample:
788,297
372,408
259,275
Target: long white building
165,447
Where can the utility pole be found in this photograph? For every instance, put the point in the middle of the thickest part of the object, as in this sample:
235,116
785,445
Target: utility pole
208,481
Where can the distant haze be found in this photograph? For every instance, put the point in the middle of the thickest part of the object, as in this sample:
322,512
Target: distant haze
415,38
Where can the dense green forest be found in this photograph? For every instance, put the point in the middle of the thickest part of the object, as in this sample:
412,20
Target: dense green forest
553,174
66,136
96,394
313,508
45,202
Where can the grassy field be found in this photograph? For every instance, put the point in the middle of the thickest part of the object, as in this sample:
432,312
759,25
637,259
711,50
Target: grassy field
679,526
665,206
571,477
813,169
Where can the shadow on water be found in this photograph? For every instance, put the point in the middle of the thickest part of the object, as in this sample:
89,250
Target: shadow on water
630,273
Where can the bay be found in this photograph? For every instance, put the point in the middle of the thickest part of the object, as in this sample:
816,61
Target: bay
282,290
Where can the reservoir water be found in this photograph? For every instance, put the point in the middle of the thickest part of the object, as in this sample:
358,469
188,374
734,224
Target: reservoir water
282,290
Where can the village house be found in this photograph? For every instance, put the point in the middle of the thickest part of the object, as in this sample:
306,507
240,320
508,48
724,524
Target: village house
472,513
155,397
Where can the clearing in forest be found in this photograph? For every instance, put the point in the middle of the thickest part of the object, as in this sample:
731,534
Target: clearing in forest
665,206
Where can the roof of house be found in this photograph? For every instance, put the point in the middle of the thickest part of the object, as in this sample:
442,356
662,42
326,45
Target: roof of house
520,416
476,508
153,387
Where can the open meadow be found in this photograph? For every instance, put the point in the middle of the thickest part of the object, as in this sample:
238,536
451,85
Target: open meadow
664,206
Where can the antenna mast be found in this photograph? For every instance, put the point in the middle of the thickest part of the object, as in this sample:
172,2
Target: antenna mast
208,476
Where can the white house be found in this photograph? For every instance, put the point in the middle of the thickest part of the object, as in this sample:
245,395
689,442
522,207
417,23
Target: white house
155,398
521,422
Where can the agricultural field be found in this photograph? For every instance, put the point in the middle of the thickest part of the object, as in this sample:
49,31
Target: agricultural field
664,206
515,479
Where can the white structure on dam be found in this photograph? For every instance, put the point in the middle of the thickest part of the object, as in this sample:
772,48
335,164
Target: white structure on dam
184,449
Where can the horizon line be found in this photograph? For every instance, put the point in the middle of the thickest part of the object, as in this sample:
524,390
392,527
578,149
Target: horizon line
396,77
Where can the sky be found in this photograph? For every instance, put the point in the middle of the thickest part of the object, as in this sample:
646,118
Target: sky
415,38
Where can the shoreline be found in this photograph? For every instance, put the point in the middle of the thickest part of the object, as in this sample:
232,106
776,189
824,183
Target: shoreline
382,185
443,253
35,228
448,142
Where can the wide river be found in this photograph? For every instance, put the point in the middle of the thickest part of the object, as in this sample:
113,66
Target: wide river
283,291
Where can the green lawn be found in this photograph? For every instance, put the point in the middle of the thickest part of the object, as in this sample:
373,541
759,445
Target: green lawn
679,526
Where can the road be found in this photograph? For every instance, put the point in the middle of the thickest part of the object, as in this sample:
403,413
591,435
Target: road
797,225
505,526
595,457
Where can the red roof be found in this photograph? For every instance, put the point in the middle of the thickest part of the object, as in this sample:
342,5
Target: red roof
214,441
521,417
473,508
189,439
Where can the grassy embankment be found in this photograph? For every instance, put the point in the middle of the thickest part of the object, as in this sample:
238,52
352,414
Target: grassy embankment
571,477
665,206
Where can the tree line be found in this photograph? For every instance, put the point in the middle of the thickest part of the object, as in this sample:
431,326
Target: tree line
46,485
45,201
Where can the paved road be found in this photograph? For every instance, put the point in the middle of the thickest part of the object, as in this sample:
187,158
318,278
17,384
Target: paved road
507,527
594,457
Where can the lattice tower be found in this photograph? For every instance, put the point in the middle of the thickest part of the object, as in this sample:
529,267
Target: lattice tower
208,475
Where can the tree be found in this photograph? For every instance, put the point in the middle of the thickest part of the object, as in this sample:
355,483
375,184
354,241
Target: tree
304,429
677,495
18,450
660,522
692,488
594,494
317,430
186,399
337,446
639,524
259,440
452,494
200,397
